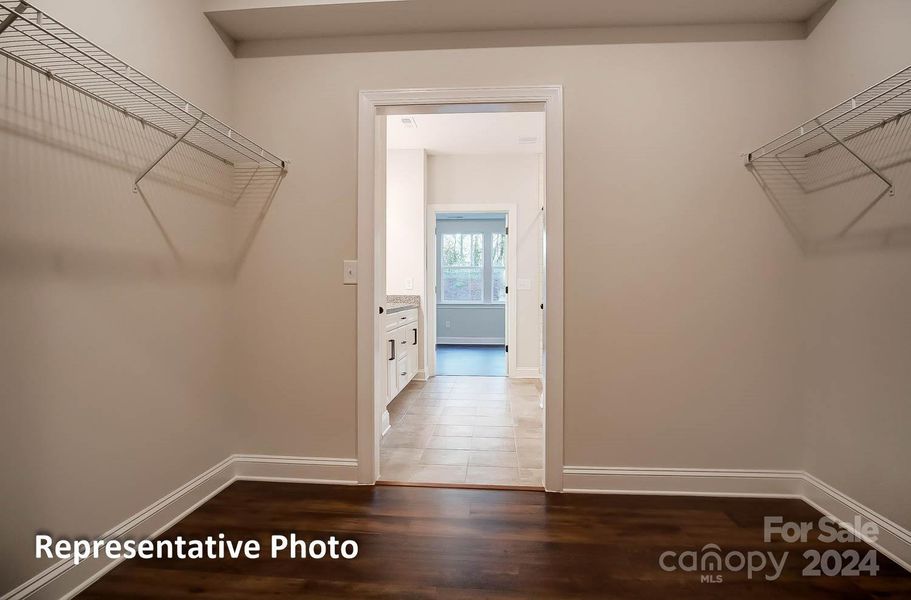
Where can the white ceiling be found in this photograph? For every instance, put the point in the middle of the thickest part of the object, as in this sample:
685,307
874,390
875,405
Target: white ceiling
469,133
246,20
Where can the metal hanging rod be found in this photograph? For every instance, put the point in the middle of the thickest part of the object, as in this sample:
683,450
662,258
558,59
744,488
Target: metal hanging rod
33,39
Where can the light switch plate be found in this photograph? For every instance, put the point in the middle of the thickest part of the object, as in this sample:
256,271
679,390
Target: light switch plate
350,274
409,284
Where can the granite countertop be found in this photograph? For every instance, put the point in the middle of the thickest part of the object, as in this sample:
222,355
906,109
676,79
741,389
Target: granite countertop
396,304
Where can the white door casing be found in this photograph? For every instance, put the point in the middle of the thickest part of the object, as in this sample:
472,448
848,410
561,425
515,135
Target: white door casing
371,293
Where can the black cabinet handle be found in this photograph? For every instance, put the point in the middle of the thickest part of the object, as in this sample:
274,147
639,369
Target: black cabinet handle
392,343
415,330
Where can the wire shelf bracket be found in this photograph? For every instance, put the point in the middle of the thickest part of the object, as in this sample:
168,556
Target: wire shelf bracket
890,187
867,128
162,155
33,39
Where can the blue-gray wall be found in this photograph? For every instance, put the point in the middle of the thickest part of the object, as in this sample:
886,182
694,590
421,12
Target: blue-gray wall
471,324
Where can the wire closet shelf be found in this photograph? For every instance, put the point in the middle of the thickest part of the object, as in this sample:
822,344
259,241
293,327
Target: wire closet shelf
846,153
35,40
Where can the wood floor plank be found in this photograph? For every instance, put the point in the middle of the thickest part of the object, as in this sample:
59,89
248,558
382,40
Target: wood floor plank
466,543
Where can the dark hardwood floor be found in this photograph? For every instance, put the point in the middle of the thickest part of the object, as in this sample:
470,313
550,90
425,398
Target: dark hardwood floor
459,543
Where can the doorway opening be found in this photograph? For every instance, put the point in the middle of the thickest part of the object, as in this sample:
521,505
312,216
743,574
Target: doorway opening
417,423
458,411
471,283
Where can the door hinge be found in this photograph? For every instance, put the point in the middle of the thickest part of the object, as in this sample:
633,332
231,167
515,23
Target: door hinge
507,231
507,289
507,347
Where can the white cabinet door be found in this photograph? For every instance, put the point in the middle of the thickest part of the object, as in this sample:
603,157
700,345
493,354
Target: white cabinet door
401,354
402,370
392,355
403,349
413,353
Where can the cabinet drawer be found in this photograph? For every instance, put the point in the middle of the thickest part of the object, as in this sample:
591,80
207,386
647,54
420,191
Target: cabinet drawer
400,319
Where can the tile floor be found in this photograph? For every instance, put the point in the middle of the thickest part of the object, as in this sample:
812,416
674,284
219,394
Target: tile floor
484,430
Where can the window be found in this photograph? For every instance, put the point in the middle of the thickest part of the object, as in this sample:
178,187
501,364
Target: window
497,267
471,267
462,267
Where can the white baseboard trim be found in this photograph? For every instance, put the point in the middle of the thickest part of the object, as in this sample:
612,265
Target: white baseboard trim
894,541
385,425
527,373
338,471
65,580
472,341
683,482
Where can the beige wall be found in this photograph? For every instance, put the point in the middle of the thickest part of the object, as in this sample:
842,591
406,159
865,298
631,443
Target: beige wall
112,356
680,279
503,179
696,334
856,304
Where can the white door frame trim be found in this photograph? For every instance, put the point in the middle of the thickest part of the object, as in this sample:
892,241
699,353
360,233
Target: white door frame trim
512,245
371,246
